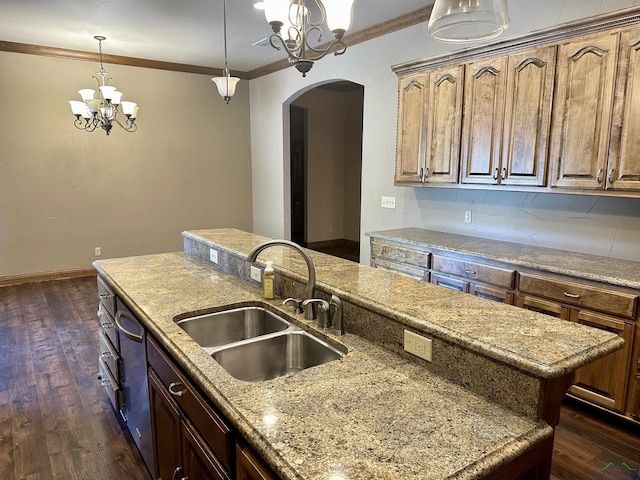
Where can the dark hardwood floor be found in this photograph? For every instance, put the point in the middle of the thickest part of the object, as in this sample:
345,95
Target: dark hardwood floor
57,423
55,419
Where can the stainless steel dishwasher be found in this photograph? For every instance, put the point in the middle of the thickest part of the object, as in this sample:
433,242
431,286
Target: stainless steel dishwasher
133,355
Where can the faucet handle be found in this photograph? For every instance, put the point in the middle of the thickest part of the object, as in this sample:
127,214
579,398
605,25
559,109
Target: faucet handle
337,323
323,311
297,305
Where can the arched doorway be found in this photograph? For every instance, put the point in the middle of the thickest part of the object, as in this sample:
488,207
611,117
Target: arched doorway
326,168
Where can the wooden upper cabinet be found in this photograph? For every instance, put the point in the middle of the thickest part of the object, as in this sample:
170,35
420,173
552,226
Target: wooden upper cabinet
410,156
527,117
485,82
624,160
444,123
582,113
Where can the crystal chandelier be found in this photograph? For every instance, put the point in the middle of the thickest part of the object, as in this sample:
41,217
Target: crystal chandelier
226,84
292,25
103,111
458,21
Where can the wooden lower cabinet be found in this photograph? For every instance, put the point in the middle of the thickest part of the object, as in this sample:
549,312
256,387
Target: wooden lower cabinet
249,466
491,293
181,452
605,381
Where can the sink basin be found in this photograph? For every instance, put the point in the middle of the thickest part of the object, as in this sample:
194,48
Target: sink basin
275,355
229,326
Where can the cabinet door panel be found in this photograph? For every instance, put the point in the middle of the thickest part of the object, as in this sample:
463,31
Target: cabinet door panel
527,121
165,421
544,306
199,461
624,160
586,71
410,149
605,381
444,125
450,283
483,117
491,293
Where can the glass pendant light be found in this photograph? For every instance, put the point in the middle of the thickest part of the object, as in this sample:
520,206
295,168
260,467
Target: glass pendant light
460,21
226,84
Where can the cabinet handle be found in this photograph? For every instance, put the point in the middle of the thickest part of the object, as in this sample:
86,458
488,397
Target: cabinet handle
176,393
571,295
503,176
398,255
173,477
599,176
106,325
105,296
106,355
426,174
495,174
610,176
470,272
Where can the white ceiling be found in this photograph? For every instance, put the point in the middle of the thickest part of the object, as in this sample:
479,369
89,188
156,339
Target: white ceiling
190,31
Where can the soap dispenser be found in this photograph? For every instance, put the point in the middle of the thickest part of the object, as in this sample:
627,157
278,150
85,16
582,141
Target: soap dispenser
268,281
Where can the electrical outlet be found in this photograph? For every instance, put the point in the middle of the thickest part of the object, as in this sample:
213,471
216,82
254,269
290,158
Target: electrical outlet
98,251
256,273
467,216
388,202
213,255
418,345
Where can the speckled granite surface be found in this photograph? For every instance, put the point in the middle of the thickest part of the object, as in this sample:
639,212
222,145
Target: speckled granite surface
624,273
534,343
371,415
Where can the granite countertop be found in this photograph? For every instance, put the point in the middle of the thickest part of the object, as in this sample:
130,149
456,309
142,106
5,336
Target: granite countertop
624,273
370,415
537,344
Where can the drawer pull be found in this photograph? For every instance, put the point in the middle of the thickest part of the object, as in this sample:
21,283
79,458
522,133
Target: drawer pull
104,296
176,393
571,295
470,272
106,355
398,255
106,325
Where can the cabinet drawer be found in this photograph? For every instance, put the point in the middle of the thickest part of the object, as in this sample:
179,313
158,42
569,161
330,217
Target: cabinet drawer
400,254
407,270
581,295
114,392
107,297
108,326
450,283
216,432
502,277
109,355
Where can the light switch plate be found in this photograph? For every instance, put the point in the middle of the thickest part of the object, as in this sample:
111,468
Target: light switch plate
213,255
418,345
388,202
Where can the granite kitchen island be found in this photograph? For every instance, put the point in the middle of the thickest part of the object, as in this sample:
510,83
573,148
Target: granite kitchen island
486,404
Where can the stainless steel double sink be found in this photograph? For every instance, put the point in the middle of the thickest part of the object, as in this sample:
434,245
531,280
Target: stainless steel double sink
254,344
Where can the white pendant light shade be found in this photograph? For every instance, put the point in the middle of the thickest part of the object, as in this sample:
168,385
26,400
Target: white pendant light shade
226,86
276,11
128,107
460,21
78,107
107,91
135,112
338,15
86,93
116,97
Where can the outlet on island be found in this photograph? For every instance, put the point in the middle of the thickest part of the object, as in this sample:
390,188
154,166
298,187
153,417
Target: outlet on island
418,345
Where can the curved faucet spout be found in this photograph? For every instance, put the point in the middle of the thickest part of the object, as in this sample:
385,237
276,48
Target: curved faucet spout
311,283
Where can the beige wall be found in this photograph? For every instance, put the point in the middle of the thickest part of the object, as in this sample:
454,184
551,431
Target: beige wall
64,191
334,158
